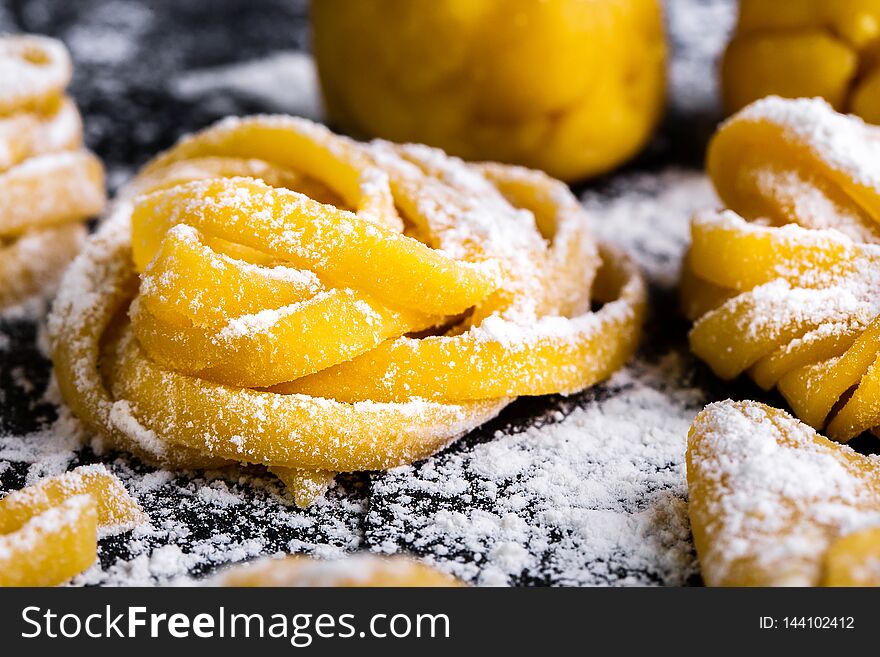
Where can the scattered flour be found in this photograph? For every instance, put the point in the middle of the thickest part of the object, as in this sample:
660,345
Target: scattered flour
649,215
597,497
113,36
698,30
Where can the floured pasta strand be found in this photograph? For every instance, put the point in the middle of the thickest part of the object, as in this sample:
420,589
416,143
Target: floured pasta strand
359,570
774,503
49,185
117,510
34,70
49,531
51,129
793,297
253,267
854,559
52,546
799,161
50,190
305,486
36,257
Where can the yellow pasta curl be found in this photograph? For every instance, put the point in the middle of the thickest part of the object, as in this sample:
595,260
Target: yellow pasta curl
360,570
49,531
48,183
773,503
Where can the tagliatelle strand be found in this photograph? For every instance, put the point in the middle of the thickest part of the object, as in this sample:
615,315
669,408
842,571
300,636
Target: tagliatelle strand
358,570
810,348
52,546
297,145
36,257
116,510
49,190
573,259
187,283
33,71
854,559
56,127
333,243
799,161
501,359
49,531
98,286
727,256
245,325
280,345
48,184
773,503
806,329
299,431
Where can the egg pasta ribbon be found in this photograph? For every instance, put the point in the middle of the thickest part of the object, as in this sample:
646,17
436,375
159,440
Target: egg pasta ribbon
49,531
49,184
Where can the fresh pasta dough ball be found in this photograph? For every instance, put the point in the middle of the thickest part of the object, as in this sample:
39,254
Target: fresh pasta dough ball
573,87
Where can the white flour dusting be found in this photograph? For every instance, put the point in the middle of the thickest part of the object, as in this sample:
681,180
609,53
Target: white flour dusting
649,215
113,36
846,142
596,497
699,30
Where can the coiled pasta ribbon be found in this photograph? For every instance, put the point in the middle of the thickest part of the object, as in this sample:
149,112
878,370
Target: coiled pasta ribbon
773,503
360,570
271,293
49,531
795,306
48,183
798,161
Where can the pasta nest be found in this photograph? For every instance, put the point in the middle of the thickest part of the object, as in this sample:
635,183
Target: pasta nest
49,184
271,293
785,284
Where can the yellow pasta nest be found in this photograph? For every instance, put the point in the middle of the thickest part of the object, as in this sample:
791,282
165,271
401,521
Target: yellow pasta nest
48,183
363,570
49,531
773,503
792,297
271,293
806,48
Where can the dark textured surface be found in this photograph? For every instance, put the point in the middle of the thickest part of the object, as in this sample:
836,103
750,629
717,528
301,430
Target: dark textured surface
126,54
